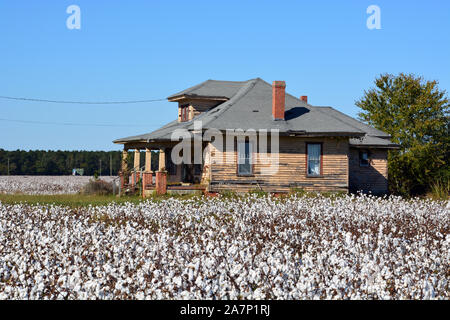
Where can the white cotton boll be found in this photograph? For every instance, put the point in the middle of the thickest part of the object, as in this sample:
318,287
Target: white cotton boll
305,255
428,291
190,274
199,282
348,239
40,287
178,281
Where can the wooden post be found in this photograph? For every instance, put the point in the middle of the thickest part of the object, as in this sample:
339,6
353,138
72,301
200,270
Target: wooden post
137,160
124,160
162,159
148,160
135,170
124,169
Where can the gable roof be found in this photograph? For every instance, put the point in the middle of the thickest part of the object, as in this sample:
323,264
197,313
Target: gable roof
249,106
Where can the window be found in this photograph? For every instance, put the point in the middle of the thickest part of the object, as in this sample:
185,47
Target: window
314,159
184,112
364,159
245,158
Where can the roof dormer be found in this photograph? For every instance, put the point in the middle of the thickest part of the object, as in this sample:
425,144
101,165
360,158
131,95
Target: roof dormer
203,97
190,108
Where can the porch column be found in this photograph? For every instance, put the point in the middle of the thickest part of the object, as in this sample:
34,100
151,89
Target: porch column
137,159
161,175
148,160
162,159
124,169
147,175
124,160
135,170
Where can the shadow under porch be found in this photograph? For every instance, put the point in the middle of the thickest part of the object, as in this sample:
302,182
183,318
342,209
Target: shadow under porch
149,169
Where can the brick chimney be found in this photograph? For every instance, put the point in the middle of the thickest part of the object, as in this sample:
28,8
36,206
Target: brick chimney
304,98
278,99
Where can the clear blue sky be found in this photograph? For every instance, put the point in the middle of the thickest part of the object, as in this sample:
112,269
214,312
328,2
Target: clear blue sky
151,49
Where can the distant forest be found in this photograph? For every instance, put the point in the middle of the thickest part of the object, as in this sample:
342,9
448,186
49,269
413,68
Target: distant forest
54,163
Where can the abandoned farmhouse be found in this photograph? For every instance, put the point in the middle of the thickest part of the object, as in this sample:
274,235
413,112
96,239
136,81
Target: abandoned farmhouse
317,148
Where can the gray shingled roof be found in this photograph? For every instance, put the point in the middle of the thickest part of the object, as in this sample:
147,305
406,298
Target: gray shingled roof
250,107
211,88
371,141
361,125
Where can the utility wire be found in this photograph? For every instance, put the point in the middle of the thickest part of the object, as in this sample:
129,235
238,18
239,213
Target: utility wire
79,102
76,124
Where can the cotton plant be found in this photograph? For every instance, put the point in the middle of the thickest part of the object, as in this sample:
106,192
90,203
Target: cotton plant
45,185
350,247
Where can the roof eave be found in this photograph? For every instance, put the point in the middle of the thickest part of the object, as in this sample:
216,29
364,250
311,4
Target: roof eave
129,141
322,134
375,146
194,96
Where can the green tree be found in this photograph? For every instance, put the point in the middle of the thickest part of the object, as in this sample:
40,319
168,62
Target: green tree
415,113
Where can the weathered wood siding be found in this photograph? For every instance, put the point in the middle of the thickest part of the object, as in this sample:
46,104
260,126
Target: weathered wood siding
291,168
196,106
372,178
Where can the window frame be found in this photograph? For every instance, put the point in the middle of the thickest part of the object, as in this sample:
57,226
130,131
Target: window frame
184,112
361,152
307,144
251,157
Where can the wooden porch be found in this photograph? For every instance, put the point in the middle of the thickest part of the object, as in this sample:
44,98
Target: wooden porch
168,178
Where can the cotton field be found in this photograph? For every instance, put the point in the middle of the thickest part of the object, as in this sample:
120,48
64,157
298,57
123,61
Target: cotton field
44,184
354,247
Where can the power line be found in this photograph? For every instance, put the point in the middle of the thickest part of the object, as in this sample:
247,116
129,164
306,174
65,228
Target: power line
76,124
79,102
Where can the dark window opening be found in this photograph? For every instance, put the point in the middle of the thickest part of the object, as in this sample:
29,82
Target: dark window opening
364,160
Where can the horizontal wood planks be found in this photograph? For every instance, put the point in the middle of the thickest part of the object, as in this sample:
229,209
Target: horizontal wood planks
291,169
371,178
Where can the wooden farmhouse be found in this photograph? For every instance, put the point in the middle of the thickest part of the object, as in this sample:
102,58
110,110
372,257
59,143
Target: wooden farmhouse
254,136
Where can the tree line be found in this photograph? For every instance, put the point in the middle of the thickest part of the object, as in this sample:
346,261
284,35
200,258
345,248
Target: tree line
52,163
